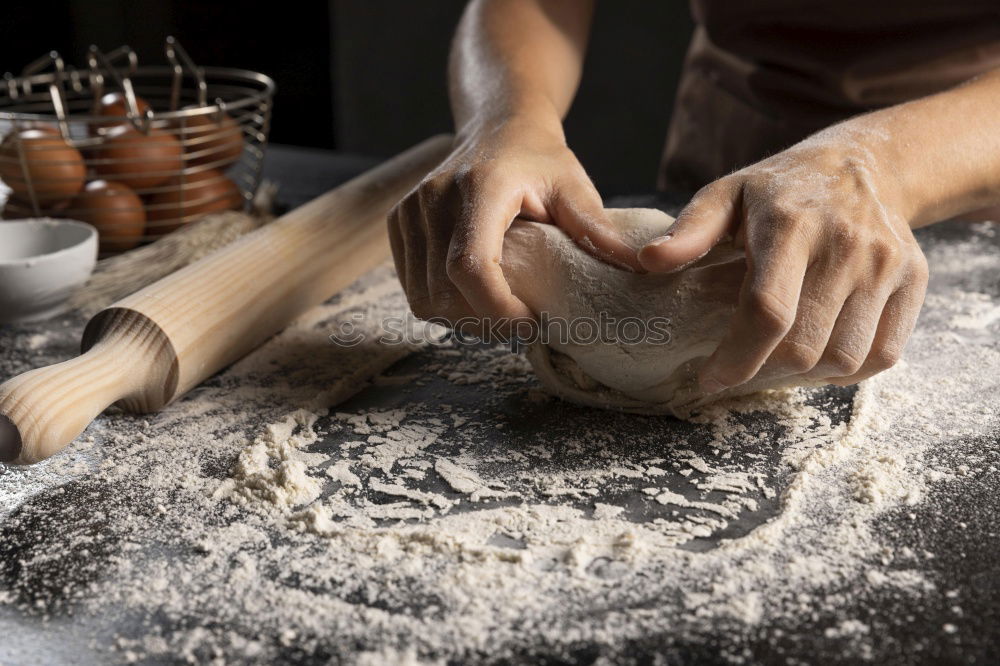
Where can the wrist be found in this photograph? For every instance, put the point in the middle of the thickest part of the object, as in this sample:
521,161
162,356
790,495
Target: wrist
529,113
940,152
896,160
867,147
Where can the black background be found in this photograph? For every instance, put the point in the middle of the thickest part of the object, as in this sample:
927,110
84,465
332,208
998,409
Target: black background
368,76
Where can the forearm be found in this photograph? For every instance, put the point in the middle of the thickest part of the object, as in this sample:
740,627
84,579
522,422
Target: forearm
517,57
942,151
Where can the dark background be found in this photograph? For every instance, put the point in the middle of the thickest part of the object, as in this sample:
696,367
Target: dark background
368,76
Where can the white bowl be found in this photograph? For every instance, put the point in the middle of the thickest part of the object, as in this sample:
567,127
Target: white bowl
42,262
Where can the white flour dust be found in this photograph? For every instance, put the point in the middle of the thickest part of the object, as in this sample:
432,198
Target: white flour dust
258,519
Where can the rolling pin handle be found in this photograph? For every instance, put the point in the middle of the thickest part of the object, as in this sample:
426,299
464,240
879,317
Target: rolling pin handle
46,409
43,410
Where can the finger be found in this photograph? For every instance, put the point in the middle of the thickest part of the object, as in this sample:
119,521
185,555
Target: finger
899,318
576,207
438,202
765,313
824,291
852,336
712,213
444,296
415,260
473,260
397,245
440,288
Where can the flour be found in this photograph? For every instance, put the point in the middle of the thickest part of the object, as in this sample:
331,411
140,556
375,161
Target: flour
263,518
467,482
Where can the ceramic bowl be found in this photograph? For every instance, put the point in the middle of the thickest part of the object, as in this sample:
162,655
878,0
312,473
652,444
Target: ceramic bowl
42,262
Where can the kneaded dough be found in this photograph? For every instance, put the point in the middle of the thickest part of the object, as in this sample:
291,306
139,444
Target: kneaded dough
549,272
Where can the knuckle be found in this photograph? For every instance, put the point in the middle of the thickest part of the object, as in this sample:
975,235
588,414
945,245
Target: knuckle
405,207
394,213
737,377
785,216
800,358
432,190
714,190
461,266
846,238
841,362
472,175
919,268
884,358
784,225
885,255
730,376
771,313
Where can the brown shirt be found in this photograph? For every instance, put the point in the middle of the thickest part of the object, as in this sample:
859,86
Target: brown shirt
763,74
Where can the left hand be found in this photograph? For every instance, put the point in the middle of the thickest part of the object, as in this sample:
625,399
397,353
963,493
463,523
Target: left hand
835,279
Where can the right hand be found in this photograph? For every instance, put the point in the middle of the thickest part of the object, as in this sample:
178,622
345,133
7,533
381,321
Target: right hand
447,234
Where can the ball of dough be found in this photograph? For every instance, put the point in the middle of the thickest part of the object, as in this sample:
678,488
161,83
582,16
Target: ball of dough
652,373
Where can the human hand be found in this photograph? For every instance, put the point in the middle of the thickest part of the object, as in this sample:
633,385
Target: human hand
447,234
835,279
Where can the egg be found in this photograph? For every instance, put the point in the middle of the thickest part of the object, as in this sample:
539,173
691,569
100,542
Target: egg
137,159
55,169
45,127
115,210
210,140
113,107
186,198
113,104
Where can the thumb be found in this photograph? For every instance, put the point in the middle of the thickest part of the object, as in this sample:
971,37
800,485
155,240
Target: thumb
709,216
577,209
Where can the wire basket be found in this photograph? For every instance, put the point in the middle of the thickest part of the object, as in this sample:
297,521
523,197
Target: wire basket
137,151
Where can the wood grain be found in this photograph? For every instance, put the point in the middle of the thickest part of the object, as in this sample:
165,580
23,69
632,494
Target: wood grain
160,342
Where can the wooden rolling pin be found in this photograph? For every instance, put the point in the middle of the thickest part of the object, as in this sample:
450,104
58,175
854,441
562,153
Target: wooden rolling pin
157,344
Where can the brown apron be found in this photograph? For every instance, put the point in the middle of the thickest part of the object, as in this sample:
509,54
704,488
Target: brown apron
762,74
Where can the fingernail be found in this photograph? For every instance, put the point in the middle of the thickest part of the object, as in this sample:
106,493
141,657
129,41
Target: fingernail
711,385
659,240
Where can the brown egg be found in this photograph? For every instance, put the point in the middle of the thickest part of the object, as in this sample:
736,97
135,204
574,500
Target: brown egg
209,140
136,159
186,198
46,128
113,106
55,169
115,210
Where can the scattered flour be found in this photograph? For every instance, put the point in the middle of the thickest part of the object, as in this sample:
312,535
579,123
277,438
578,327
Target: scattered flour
260,520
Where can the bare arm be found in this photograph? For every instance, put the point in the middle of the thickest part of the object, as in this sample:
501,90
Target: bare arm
835,279
945,149
518,57
515,66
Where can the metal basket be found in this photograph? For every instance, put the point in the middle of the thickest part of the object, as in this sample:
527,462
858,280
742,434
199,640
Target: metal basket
185,140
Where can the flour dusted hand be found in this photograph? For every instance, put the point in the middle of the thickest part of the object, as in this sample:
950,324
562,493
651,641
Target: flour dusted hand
835,279
618,339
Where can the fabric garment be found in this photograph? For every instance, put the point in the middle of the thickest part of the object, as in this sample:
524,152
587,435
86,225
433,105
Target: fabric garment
761,75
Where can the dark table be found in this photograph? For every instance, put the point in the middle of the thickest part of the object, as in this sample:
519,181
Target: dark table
909,629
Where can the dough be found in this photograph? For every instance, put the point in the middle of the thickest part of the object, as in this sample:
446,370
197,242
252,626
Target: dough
553,275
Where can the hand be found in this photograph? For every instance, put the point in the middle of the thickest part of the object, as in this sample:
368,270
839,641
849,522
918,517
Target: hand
835,279
447,234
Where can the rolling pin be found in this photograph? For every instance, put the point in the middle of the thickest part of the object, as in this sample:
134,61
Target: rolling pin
155,345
